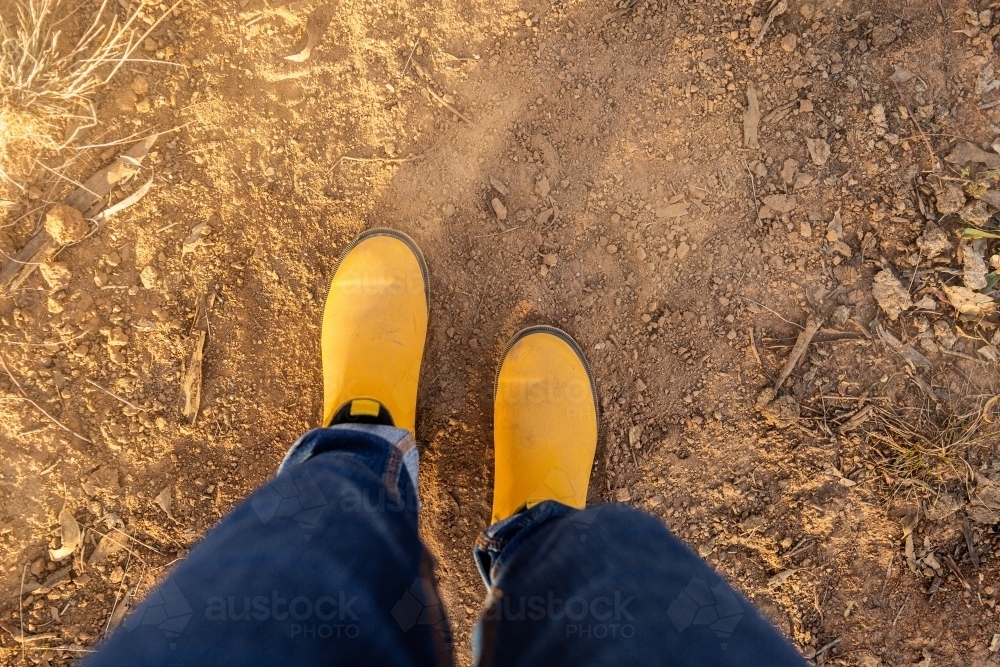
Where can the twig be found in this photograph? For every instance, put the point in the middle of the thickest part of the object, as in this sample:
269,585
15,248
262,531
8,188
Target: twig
773,312
37,406
900,612
801,344
506,231
448,106
753,187
756,354
20,610
778,10
950,562
115,396
827,647
410,57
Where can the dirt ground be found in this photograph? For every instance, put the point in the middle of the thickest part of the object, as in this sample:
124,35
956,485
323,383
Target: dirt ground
587,164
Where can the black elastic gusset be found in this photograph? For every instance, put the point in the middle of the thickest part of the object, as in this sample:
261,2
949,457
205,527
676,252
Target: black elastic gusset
344,416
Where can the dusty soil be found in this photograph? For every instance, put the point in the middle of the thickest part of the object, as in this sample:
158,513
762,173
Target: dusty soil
685,261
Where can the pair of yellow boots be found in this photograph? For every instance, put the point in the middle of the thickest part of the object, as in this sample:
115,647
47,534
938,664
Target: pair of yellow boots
545,401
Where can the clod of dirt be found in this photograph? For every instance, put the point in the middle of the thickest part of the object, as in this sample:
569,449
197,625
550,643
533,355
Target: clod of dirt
934,241
985,502
883,33
780,411
780,203
542,187
901,75
788,42
891,295
499,209
950,198
819,151
974,264
969,302
148,276
612,249
550,259
65,224
55,274
674,210
975,212
544,216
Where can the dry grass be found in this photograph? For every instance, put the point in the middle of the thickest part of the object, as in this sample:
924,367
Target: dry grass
49,81
933,449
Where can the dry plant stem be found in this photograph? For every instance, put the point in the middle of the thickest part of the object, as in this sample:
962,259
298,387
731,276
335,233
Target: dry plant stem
801,345
115,396
20,611
37,406
778,10
447,106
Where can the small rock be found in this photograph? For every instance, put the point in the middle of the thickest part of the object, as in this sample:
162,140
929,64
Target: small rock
499,208
974,264
934,241
550,259
117,337
100,278
640,386
473,343
149,276
113,259
682,250
448,209
55,274
805,106
65,224
891,295
819,151
789,170
623,495
612,249
788,42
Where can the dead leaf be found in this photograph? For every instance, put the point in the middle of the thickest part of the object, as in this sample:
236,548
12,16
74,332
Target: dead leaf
196,240
968,302
316,25
164,501
499,186
106,547
191,384
70,532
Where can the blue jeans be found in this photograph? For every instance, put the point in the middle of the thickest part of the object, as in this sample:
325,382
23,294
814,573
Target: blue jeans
323,565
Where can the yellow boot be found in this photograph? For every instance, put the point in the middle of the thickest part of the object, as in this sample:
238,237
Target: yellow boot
544,422
374,328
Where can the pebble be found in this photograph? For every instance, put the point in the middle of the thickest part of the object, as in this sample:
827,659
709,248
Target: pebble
448,210
499,208
612,249
788,42
550,259
682,250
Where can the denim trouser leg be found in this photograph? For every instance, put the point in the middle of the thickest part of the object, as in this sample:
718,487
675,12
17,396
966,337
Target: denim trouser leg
320,566
610,585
